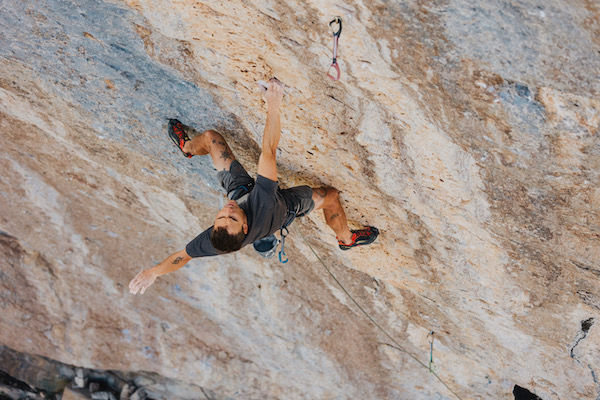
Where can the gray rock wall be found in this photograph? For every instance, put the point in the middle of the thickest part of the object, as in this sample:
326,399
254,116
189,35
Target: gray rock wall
468,133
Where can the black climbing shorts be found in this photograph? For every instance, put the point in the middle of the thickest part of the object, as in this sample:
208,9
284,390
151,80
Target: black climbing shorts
298,199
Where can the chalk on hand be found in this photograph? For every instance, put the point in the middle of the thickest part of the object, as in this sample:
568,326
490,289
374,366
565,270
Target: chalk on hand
264,86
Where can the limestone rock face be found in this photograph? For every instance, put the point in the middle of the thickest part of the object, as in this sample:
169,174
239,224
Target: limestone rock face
468,133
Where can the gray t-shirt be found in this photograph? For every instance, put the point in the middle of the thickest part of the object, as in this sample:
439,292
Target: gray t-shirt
265,209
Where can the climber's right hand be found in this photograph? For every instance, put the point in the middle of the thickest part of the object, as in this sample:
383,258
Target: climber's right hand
142,281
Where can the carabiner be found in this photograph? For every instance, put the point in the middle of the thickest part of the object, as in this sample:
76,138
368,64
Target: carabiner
337,20
282,251
337,68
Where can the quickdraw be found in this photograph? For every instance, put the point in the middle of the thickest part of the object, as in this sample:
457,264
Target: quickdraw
431,363
336,36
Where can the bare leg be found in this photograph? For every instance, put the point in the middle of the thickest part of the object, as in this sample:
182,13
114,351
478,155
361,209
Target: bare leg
211,142
328,199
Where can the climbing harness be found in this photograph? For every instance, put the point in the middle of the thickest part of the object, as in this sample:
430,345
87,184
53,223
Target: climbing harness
397,345
241,193
431,363
336,37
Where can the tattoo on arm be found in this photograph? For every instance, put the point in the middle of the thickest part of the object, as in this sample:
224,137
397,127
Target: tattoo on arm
225,155
334,216
177,260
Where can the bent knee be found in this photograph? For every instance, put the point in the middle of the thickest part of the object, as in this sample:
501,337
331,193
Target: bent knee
213,136
325,197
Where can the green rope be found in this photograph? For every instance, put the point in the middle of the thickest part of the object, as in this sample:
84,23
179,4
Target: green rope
398,345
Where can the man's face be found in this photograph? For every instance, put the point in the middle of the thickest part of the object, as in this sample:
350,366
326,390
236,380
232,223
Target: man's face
232,218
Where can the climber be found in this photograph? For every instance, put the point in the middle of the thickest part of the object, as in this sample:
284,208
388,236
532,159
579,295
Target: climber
264,209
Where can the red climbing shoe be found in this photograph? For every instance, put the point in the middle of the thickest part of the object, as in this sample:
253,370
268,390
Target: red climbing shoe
361,237
178,135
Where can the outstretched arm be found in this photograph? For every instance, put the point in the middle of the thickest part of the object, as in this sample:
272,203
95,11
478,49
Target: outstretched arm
267,164
144,279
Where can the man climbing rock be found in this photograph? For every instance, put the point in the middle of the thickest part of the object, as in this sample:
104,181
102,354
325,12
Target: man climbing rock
263,209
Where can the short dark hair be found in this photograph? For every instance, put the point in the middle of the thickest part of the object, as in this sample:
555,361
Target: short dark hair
225,242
